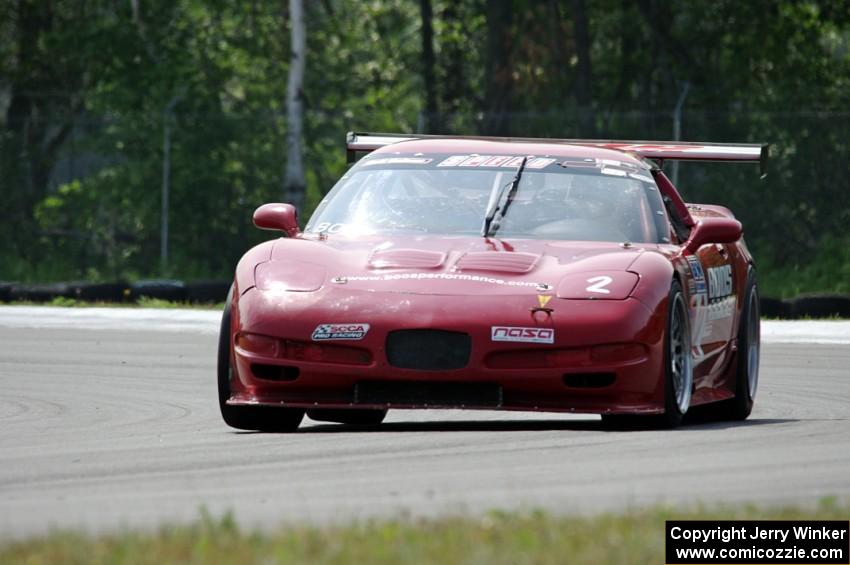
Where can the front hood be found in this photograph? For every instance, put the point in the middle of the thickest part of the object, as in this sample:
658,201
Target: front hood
437,265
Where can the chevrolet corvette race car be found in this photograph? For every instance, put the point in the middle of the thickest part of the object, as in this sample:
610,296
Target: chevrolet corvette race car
495,273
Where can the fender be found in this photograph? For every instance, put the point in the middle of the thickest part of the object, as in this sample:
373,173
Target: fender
656,273
245,267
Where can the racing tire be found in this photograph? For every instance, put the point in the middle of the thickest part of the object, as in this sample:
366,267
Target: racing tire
253,418
678,360
740,406
678,371
352,417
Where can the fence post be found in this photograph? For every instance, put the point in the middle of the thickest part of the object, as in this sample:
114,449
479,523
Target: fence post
167,118
677,125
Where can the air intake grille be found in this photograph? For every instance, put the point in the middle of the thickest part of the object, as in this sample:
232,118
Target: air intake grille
428,350
589,380
406,259
497,261
432,394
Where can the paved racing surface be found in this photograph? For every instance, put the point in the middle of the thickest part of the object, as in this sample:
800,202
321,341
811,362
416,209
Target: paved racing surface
118,426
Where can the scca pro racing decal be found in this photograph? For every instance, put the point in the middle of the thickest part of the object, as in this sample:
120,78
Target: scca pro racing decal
352,330
522,335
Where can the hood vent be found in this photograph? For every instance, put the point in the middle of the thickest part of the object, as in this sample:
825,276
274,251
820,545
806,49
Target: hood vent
406,259
497,262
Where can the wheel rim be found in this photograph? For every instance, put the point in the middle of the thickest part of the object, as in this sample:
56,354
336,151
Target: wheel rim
753,344
681,369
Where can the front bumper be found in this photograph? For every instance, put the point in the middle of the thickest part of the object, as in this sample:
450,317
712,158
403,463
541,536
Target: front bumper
606,355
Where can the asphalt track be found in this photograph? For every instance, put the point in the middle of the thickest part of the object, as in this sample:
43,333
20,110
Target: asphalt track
109,419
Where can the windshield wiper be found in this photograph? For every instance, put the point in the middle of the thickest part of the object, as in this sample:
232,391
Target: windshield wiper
494,208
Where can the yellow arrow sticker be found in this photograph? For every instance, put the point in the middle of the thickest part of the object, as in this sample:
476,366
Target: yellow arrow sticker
543,299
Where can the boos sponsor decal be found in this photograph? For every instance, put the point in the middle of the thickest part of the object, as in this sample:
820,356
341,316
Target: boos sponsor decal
522,335
719,281
352,330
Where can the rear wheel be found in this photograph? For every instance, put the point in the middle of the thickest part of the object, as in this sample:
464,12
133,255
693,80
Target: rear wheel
354,416
749,351
678,370
259,418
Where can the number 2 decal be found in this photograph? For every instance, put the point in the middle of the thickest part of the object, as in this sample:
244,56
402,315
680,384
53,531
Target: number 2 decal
598,284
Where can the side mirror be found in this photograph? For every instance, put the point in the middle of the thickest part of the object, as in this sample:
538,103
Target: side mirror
281,217
714,230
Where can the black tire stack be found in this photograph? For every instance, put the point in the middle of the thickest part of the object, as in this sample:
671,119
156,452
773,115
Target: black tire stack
212,291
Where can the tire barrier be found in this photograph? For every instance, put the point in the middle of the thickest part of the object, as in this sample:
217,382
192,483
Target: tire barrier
5,291
39,292
820,306
814,306
774,308
207,292
162,289
100,292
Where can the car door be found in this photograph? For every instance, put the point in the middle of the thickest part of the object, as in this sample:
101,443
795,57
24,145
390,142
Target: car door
714,305
709,279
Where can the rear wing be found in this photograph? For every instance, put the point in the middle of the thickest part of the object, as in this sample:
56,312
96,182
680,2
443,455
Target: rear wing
657,150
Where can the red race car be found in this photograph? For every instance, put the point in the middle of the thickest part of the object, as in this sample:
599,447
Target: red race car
492,273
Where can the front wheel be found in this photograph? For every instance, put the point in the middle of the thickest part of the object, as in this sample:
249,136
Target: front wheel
678,372
257,418
679,369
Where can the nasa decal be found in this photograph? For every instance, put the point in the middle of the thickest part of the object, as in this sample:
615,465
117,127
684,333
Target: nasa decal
522,335
352,330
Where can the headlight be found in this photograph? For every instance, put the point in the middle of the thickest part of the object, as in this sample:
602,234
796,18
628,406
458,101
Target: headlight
295,276
597,285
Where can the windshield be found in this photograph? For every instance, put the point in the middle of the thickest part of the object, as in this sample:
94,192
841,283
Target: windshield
555,198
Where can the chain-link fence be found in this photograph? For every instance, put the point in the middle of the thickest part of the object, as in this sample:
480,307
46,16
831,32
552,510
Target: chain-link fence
92,206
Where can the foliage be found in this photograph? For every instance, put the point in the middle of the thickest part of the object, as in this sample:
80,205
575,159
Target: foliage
827,269
88,90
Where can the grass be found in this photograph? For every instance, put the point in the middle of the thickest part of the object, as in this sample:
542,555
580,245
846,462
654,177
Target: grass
145,302
496,537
